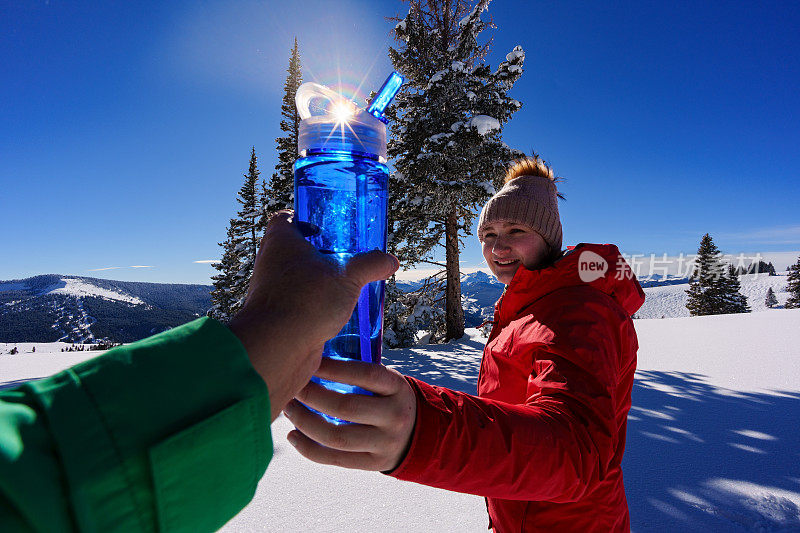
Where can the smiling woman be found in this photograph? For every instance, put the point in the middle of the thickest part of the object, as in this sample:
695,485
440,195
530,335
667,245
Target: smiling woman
520,225
544,438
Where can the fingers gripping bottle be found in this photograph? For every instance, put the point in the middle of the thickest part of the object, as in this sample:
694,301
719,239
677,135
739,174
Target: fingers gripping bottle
341,186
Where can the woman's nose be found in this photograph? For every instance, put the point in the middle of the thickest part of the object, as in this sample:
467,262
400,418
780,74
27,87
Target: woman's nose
500,244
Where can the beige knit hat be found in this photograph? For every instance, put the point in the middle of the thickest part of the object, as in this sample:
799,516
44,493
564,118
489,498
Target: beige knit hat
529,197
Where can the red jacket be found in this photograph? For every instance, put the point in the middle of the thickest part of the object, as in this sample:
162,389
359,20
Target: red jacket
544,439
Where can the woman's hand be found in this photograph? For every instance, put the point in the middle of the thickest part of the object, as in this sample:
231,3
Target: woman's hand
384,423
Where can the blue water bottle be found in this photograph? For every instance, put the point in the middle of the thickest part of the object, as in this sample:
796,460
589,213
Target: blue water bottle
341,186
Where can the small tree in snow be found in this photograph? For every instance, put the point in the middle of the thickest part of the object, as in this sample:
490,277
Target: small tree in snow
733,300
793,286
409,312
771,300
706,281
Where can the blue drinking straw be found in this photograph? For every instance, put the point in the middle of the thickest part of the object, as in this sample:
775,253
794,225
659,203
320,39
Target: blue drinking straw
379,104
385,95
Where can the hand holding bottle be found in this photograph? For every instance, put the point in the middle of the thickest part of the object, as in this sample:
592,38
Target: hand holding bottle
383,423
282,325
341,186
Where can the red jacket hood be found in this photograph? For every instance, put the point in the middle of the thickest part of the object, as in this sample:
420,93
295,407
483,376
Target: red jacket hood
600,266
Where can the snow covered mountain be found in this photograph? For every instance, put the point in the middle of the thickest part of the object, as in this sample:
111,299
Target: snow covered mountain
53,307
479,292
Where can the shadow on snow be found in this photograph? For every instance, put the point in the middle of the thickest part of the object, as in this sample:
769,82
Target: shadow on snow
453,365
698,457
704,458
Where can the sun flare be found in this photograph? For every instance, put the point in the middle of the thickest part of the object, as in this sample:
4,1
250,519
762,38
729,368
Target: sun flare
343,111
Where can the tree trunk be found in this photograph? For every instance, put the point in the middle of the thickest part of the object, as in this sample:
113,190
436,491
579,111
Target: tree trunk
454,313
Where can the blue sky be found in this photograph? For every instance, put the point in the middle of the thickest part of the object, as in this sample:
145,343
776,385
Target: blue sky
125,127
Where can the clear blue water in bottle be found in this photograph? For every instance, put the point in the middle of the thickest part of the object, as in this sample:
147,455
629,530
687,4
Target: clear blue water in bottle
344,193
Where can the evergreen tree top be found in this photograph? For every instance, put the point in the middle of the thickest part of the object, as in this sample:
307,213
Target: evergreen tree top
279,192
247,194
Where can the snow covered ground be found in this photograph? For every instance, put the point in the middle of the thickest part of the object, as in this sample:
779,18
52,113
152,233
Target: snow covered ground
45,361
713,436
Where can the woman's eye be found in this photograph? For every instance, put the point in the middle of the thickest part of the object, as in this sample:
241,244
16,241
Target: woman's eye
516,230
488,235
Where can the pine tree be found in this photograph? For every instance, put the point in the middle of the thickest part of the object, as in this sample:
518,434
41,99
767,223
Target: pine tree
445,135
793,286
246,236
279,193
771,301
733,300
221,296
771,269
239,249
757,268
706,281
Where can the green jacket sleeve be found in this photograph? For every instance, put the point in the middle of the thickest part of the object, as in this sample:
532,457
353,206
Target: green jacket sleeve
170,433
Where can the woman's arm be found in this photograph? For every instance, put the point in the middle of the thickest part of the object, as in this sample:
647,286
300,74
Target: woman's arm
552,447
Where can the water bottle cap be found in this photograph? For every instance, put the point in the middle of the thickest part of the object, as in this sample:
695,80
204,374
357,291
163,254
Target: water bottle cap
324,133
353,131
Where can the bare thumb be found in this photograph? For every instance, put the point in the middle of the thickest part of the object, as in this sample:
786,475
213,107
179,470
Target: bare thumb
371,266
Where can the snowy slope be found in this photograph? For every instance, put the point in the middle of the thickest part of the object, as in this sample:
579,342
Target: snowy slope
670,300
712,442
713,438
81,288
45,361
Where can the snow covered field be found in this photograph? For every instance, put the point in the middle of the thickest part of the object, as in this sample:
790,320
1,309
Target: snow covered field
713,437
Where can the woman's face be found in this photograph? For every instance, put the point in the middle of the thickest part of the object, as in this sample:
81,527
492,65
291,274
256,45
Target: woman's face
507,245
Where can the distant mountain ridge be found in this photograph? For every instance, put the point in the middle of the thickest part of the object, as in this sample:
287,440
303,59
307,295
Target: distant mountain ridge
53,307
